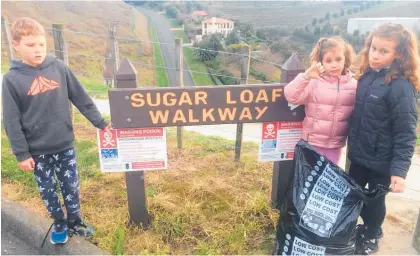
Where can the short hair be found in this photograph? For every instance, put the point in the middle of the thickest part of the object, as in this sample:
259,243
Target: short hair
24,27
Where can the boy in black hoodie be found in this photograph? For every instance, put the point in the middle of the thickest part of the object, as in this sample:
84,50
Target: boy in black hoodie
37,120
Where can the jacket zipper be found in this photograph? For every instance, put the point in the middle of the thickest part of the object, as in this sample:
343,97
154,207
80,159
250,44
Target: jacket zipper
336,102
364,99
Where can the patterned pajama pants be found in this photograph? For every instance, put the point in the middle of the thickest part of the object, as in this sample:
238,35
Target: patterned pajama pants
59,169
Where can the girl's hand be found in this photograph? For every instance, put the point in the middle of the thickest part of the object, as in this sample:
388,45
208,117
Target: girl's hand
108,128
314,71
397,184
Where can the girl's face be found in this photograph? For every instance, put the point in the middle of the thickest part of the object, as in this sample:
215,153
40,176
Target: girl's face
382,52
333,61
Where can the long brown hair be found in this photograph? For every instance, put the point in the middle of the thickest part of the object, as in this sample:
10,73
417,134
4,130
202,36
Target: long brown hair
326,43
406,65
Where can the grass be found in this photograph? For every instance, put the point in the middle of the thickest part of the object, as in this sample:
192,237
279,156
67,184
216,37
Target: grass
193,64
94,88
86,52
196,65
5,66
203,204
174,23
181,34
160,73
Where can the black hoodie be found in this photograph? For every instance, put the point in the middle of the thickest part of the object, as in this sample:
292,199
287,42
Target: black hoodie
36,112
382,131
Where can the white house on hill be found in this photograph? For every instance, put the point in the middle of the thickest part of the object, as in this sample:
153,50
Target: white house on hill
368,24
217,25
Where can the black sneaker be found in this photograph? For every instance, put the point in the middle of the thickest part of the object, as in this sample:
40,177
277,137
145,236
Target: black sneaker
361,230
80,228
367,247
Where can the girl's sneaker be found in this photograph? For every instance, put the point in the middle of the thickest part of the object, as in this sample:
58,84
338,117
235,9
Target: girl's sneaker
80,228
360,232
367,247
59,233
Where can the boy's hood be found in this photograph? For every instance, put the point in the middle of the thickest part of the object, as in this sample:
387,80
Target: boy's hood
20,66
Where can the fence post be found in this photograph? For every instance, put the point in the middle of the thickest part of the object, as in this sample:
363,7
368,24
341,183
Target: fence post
136,193
282,169
416,237
245,63
61,53
179,64
112,57
7,41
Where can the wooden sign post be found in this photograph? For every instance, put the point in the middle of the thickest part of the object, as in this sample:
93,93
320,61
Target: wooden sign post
136,191
282,170
133,107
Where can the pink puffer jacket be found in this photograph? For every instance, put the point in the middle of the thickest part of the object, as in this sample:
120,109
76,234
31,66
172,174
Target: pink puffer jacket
328,107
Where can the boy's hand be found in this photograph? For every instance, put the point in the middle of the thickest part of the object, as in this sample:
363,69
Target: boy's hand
314,71
27,165
397,184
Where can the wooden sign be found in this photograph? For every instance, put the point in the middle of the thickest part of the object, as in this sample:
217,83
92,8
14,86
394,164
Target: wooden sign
161,107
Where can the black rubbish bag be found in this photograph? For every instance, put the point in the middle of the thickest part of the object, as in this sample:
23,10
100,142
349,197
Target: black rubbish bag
319,214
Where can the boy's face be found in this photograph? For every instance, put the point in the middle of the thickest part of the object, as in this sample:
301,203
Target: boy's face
32,48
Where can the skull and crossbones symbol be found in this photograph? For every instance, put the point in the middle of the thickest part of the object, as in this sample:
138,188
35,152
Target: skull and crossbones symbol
270,131
108,140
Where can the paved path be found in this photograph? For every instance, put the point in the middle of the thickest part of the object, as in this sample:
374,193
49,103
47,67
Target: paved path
12,245
165,36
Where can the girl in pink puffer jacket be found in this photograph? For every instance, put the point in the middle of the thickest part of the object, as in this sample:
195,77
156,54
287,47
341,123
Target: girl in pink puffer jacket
328,91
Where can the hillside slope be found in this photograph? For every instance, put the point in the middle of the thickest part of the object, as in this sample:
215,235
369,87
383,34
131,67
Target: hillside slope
90,17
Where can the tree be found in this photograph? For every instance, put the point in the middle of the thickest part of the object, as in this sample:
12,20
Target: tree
307,27
317,31
190,30
155,5
246,30
327,16
199,6
282,47
362,39
314,20
335,15
337,31
172,11
327,29
349,11
356,32
190,6
321,20
306,36
261,33
140,3
233,38
208,48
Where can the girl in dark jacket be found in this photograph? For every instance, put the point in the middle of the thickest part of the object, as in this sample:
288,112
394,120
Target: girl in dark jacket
382,132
